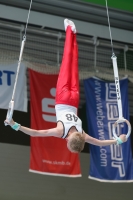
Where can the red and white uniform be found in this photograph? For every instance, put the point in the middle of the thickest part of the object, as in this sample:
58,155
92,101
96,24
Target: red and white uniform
67,90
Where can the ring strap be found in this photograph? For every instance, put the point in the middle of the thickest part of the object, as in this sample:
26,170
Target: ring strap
117,85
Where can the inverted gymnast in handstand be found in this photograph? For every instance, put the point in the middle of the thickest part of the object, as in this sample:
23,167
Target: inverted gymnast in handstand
69,126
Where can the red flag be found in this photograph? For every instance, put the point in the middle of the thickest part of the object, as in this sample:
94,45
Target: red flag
48,155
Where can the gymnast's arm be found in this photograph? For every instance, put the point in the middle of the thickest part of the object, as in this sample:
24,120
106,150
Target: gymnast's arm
38,133
97,142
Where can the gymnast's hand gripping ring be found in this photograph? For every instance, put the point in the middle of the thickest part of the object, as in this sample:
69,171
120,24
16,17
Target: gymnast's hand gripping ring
121,120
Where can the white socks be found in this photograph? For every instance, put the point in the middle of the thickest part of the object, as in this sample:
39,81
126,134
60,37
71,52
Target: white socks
69,23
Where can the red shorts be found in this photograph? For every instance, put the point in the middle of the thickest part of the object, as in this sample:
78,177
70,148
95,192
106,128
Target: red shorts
67,89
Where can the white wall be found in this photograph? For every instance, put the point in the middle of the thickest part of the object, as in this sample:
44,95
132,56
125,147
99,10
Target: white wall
16,183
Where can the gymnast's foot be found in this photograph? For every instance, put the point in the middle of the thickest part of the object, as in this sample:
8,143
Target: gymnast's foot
67,23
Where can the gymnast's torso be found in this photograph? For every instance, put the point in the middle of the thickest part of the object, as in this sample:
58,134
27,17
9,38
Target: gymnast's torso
67,116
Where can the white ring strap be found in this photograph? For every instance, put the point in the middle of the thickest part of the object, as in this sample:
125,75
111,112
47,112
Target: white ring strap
11,103
18,68
118,93
117,84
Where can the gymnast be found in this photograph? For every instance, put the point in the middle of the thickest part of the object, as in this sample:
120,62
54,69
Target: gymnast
69,126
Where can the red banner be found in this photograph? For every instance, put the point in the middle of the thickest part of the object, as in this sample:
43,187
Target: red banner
48,155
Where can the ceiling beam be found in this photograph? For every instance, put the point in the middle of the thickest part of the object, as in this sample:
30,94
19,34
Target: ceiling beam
56,22
77,10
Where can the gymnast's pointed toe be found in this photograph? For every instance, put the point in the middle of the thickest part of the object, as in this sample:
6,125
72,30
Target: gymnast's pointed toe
67,23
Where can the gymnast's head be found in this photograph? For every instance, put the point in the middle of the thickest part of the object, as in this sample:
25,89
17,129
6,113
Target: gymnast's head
75,142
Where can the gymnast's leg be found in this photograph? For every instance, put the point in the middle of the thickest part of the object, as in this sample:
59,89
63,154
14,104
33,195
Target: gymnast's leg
63,89
75,75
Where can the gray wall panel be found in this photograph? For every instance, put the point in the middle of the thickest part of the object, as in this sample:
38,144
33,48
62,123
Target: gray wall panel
16,183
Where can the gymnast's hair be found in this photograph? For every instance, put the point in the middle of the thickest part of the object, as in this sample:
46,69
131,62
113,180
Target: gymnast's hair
76,142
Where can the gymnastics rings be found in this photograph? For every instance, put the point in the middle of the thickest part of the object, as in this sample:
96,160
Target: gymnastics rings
11,103
117,84
121,120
